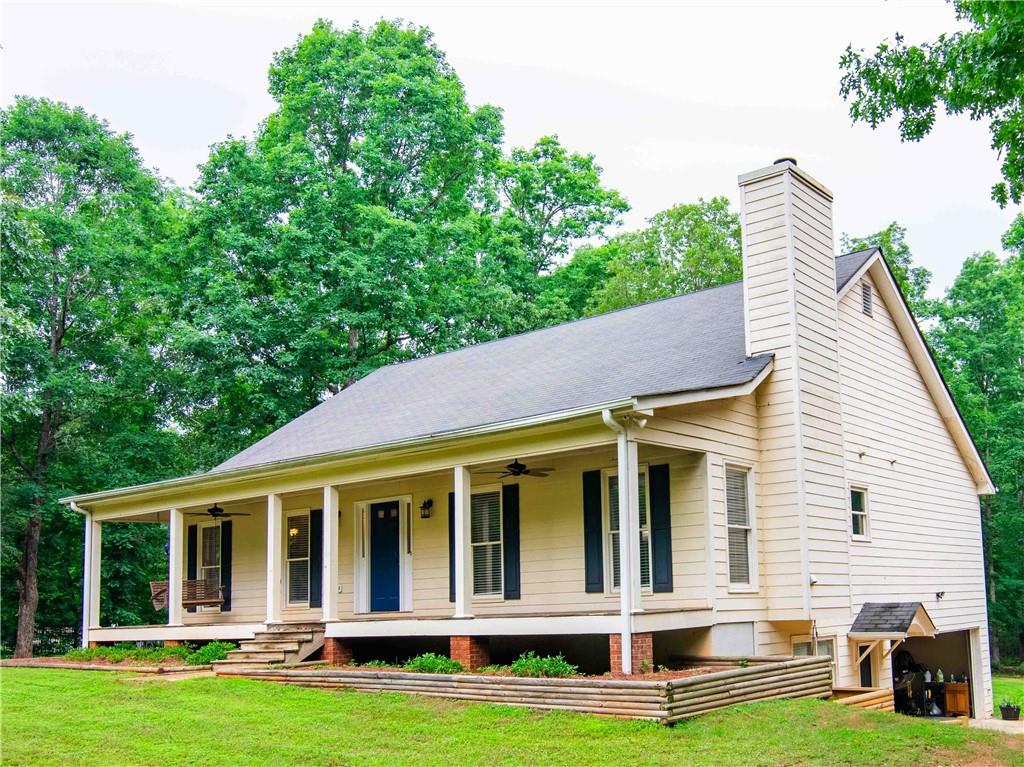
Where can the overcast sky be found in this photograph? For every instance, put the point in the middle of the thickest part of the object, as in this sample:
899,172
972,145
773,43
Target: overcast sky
674,100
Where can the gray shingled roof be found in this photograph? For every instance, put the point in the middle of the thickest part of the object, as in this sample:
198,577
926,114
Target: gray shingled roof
848,265
885,618
679,344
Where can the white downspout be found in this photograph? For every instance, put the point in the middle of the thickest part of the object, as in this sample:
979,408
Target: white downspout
625,549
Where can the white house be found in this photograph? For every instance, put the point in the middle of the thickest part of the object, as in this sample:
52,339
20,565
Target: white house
747,470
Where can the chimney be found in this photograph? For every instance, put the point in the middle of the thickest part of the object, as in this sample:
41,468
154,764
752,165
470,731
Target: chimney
790,311
787,245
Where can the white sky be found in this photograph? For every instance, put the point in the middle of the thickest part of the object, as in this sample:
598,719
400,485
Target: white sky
675,100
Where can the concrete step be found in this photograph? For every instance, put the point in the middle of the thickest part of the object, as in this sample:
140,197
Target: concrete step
241,662
285,627
285,645
283,636
257,656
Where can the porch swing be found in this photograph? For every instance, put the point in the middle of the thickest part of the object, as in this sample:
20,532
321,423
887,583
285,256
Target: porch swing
193,594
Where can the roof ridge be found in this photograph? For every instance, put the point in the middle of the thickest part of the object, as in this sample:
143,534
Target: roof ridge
571,322
576,321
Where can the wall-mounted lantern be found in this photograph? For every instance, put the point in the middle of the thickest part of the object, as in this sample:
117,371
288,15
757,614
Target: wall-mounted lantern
425,508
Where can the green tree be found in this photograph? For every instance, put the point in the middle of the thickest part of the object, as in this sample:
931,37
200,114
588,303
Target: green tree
371,219
979,341
913,280
551,198
685,248
978,71
342,238
82,220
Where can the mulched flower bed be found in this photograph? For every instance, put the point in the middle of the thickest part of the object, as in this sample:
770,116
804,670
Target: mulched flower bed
653,676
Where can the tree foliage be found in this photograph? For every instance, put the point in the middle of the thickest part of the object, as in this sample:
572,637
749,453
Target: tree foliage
82,396
913,280
373,218
978,71
685,248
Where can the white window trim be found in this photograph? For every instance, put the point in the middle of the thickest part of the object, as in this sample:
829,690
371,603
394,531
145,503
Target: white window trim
199,560
866,536
813,642
361,553
606,531
752,559
285,515
475,490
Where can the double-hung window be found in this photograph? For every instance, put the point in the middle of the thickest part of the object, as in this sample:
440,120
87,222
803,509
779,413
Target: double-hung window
859,512
740,526
613,547
806,647
298,558
485,509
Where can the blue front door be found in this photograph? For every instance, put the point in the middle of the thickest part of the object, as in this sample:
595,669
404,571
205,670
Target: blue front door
384,553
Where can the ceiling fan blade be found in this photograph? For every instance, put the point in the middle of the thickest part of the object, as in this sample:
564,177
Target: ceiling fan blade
236,514
541,468
537,473
507,474
196,514
500,471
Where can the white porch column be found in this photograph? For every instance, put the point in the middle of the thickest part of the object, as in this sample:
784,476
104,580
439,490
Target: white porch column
463,545
274,556
87,580
629,542
175,531
93,547
329,598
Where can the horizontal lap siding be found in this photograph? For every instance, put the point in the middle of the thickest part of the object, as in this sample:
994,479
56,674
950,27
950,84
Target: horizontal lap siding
248,575
923,508
551,541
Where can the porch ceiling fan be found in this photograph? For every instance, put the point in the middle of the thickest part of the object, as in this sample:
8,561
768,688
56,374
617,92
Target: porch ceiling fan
517,469
216,512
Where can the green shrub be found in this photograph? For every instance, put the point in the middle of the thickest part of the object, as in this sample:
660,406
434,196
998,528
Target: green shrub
208,653
127,653
493,669
432,663
375,664
531,664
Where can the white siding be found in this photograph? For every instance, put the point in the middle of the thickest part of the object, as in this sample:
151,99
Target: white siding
551,543
925,525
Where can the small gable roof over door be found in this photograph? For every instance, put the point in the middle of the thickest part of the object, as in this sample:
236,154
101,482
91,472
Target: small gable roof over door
892,620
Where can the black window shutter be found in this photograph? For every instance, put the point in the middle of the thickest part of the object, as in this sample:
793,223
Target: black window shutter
510,539
225,564
192,557
316,557
451,547
593,545
661,529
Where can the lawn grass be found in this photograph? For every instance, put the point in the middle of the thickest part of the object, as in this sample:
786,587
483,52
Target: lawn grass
1007,688
52,716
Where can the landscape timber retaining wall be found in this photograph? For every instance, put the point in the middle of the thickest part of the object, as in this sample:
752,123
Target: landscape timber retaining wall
876,698
655,700
794,678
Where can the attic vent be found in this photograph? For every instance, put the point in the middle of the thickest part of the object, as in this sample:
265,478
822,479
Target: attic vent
866,298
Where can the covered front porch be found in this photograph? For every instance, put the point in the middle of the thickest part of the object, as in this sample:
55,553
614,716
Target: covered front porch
531,540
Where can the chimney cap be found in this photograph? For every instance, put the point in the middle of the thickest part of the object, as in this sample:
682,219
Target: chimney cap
785,159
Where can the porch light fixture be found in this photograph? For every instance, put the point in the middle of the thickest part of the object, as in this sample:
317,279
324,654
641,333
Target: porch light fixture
425,508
